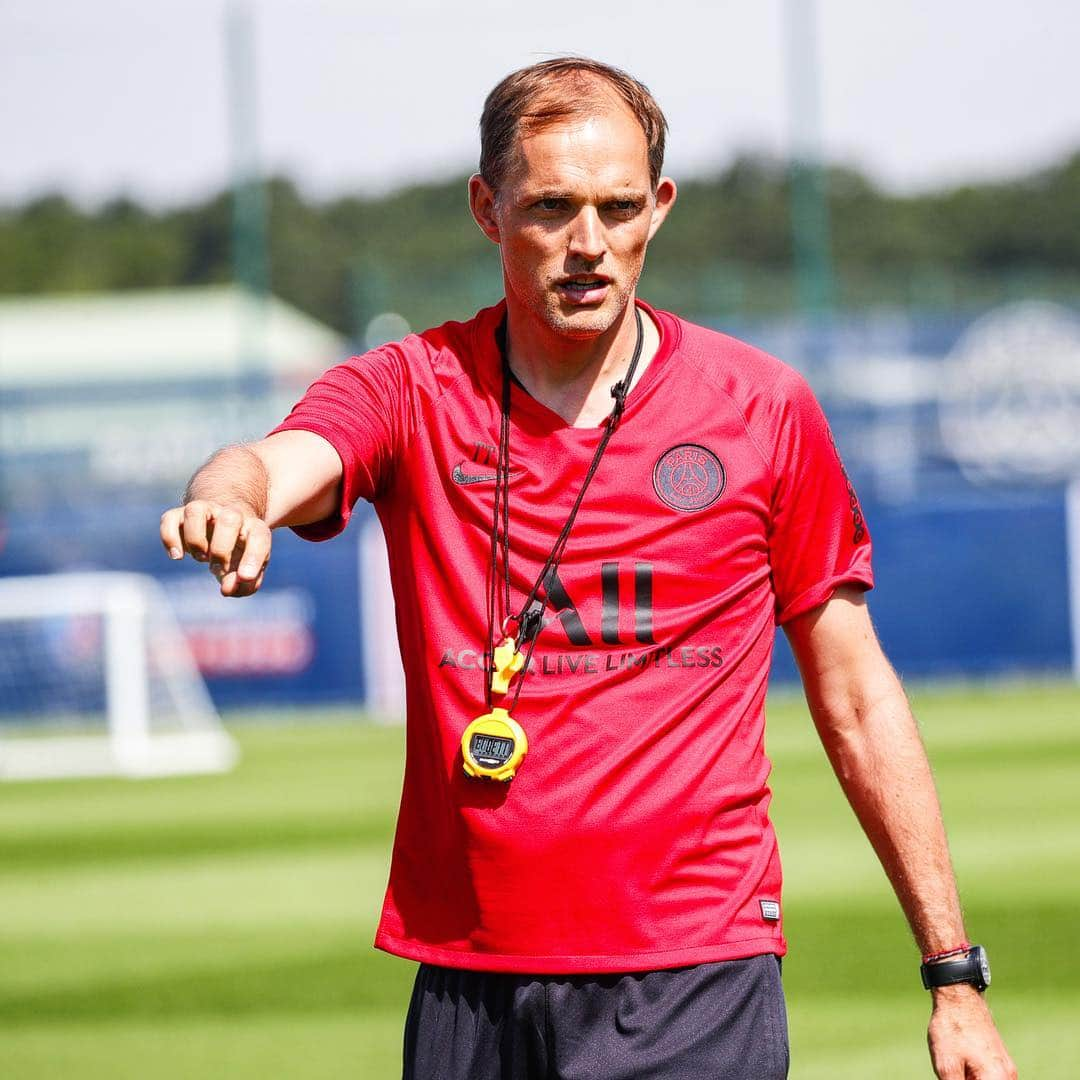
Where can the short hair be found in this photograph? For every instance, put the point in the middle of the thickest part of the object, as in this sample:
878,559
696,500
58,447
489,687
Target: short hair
543,94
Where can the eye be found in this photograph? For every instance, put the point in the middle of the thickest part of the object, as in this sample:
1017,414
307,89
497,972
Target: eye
625,208
551,205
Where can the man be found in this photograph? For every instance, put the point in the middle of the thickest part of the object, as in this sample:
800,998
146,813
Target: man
596,513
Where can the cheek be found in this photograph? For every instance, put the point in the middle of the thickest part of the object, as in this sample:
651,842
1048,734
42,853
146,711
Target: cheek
634,241
527,254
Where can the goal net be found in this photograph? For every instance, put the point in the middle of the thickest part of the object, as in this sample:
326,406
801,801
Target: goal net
96,679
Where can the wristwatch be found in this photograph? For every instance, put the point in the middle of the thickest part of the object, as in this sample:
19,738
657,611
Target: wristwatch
969,966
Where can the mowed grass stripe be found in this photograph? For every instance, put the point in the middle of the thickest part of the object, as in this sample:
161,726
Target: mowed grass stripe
286,976
248,891
302,1046
323,764
874,1039
315,785
68,849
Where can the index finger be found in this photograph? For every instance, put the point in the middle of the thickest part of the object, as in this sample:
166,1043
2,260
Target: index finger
170,532
256,537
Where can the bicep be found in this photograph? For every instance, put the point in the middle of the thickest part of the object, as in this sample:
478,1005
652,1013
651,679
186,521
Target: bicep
844,671
305,474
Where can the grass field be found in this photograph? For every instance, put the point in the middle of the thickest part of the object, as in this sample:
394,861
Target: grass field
221,926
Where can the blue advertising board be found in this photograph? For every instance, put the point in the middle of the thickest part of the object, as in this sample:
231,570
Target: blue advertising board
297,641
972,586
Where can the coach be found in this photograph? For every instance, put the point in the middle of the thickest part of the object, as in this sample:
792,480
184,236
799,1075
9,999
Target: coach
596,514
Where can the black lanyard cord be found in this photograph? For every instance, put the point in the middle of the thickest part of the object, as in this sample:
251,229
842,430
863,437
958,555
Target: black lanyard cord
530,616
499,537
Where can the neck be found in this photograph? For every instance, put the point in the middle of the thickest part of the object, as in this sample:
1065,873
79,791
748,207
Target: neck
573,376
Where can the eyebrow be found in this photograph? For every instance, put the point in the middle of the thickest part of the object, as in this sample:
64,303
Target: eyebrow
619,195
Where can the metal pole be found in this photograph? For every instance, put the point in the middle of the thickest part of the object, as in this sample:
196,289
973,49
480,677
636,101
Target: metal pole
249,244
814,283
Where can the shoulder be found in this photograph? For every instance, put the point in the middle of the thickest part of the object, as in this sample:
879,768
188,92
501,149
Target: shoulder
455,346
429,361
766,391
738,368
462,338
438,357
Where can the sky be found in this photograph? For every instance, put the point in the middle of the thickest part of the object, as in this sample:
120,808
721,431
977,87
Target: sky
131,96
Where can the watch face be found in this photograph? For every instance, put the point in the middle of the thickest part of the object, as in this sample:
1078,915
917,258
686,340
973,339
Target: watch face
984,967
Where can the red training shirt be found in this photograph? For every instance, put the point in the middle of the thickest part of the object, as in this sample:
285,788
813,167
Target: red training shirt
636,833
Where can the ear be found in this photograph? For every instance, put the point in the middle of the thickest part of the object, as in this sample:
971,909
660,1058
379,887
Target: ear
482,205
666,193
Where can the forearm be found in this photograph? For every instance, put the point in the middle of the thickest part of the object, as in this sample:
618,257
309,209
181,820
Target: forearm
874,746
865,723
291,478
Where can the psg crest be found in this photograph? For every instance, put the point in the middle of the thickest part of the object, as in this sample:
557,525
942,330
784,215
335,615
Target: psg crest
689,477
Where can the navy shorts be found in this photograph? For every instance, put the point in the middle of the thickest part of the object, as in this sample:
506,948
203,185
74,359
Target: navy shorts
723,1020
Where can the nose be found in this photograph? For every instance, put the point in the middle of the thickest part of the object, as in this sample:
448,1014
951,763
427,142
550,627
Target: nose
586,240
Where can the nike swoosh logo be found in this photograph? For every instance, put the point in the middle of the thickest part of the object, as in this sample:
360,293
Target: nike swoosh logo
460,476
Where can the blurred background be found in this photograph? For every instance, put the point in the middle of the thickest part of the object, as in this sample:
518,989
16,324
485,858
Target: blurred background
204,205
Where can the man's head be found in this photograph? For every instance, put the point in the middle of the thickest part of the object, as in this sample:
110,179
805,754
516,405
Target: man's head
554,91
570,188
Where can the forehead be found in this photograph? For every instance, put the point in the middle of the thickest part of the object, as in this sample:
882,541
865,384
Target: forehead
604,147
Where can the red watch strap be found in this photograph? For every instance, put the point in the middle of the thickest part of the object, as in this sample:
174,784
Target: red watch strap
931,957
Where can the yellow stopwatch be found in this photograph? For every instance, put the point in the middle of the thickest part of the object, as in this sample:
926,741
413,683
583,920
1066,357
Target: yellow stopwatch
493,746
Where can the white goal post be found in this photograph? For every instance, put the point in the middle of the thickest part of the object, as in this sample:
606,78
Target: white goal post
96,679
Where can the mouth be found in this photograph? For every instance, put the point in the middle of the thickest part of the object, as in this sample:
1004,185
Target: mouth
583,288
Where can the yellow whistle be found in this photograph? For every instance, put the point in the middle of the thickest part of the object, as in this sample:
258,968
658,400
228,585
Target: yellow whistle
508,662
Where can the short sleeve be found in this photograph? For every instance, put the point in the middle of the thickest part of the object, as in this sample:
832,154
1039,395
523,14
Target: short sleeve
818,537
363,408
